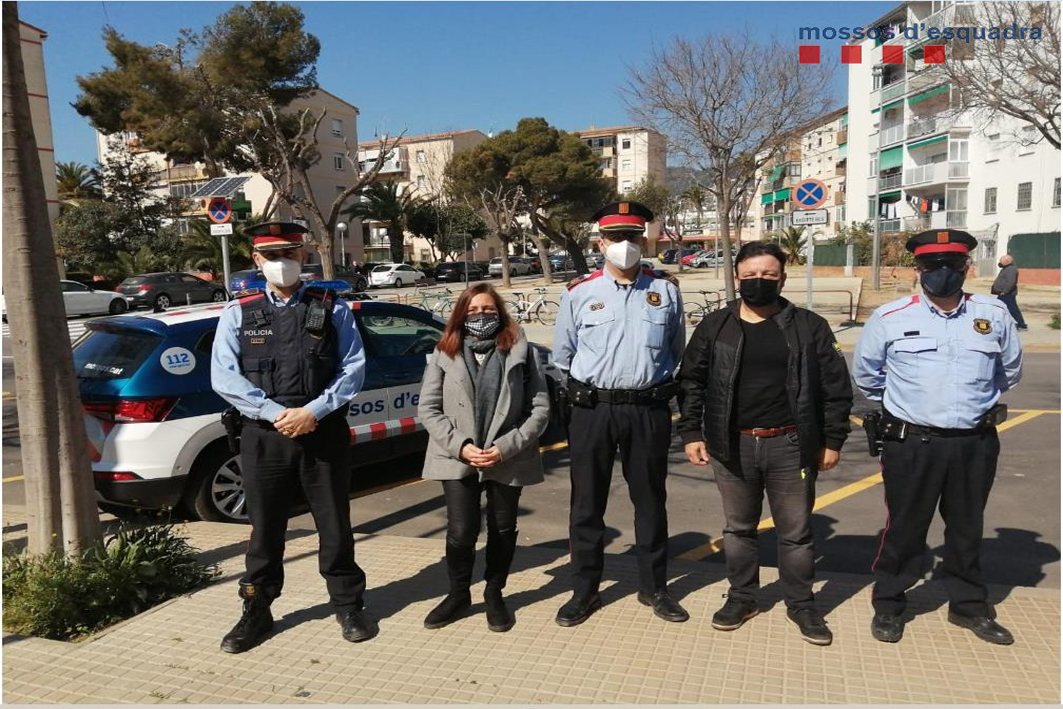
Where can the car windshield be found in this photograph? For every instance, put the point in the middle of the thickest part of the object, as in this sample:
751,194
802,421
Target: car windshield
381,269
112,353
134,281
499,260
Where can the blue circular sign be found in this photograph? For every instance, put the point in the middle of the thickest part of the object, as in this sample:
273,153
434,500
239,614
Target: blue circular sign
809,194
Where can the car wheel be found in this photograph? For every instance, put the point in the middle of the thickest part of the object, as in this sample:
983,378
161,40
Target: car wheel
398,283
216,487
162,301
219,296
118,306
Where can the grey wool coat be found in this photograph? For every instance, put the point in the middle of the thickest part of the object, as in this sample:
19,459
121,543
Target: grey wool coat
521,415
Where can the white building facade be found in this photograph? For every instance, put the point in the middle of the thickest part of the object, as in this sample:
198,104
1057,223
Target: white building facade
915,163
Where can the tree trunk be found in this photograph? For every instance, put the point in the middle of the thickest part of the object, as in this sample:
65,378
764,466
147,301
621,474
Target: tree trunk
395,241
544,254
506,280
60,499
725,238
323,245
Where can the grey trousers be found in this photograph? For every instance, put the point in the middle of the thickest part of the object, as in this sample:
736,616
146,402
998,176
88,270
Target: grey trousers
769,465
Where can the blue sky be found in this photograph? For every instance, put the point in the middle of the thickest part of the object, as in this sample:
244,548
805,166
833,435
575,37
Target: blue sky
429,67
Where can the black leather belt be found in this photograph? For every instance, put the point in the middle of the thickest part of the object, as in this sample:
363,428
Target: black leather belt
895,429
587,395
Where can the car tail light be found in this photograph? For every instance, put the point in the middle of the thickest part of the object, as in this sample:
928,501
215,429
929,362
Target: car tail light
131,410
143,289
115,477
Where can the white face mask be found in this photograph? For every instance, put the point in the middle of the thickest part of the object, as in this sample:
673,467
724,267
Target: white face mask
282,272
623,254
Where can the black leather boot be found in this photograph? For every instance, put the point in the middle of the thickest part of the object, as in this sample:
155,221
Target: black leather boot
500,549
459,568
254,625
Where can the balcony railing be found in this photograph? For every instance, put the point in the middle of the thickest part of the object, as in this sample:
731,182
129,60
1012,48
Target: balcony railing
889,182
893,134
842,136
889,225
893,91
922,222
925,174
926,79
956,220
959,170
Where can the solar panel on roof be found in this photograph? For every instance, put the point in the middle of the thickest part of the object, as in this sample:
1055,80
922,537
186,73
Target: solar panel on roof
220,187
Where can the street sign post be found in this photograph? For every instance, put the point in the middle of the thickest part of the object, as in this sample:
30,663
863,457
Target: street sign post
220,211
809,217
809,194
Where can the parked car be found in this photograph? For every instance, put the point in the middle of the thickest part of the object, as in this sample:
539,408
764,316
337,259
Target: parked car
596,261
518,266
161,290
241,282
80,299
673,255
314,272
534,265
393,274
153,421
707,258
561,262
455,271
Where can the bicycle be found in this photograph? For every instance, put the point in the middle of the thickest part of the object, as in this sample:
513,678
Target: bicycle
434,300
696,312
523,310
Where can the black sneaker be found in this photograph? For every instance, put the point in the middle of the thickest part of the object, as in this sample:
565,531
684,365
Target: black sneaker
811,624
252,628
734,613
887,628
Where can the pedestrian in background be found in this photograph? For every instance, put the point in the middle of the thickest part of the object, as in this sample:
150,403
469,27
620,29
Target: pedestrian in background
484,403
619,337
938,362
1006,288
290,360
764,383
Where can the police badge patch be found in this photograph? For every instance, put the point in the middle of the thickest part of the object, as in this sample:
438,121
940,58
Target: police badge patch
597,306
653,298
983,326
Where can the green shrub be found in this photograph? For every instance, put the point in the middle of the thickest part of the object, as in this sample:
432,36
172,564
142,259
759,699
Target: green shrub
1054,323
60,597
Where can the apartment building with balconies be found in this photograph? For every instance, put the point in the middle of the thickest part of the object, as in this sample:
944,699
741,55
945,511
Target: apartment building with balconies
917,162
250,193
418,164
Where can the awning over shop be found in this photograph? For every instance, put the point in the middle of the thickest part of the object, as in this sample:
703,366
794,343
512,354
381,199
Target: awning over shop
928,141
767,198
890,195
894,157
782,194
927,94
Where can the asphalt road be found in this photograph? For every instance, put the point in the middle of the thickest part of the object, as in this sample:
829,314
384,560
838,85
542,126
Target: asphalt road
1022,528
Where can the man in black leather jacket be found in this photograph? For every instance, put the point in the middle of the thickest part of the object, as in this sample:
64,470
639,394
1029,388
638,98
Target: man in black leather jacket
765,386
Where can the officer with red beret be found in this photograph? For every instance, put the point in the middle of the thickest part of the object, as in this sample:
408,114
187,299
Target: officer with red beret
290,360
938,361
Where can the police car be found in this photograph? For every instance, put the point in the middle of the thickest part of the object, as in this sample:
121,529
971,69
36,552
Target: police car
153,421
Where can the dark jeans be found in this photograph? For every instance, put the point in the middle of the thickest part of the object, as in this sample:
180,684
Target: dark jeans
463,509
771,465
955,476
1011,300
642,434
274,467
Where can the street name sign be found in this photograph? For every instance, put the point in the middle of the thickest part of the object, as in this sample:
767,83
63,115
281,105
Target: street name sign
221,229
809,217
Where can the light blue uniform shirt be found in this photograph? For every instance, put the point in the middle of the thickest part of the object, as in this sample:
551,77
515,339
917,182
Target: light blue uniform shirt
938,370
234,387
620,337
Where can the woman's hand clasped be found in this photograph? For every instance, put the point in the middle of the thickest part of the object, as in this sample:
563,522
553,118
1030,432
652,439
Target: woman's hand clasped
480,458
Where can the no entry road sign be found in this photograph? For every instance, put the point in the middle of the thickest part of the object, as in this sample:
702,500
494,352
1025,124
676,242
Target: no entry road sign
219,210
809,194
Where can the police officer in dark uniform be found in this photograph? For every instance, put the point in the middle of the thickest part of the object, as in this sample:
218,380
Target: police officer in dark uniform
938,361
289,360
619,337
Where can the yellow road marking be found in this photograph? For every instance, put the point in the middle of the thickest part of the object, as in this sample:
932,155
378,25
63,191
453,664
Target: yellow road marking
13,479
716,545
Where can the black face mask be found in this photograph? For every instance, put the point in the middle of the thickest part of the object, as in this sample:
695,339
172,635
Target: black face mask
758,291
942,282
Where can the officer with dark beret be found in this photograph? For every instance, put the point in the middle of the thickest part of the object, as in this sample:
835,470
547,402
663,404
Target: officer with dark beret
938,361
290,360
619,337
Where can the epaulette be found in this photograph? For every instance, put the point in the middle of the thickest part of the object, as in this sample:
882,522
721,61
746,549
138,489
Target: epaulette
667,277
576,281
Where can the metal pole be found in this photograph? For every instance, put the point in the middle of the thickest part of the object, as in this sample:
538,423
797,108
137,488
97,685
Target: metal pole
876,245
809,259
343,247
225,259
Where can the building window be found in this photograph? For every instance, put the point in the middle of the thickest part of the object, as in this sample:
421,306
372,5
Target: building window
1055,193
625,164
1027,140
991,200
1025,196
337,127
626,144
795,169
626,186
420,157
992,148
420,182
337,161
874,166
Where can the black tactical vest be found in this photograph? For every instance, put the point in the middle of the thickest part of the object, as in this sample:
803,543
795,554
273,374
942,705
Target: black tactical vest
279,355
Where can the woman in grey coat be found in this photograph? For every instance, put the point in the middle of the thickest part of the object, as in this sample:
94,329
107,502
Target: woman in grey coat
484,404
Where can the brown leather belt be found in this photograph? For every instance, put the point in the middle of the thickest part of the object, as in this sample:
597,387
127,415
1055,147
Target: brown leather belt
767,432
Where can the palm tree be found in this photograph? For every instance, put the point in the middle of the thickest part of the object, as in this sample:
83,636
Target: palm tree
695,197
77,182
384,202
792,240
201,250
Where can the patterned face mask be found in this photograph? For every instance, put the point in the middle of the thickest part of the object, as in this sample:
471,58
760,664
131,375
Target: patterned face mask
482,325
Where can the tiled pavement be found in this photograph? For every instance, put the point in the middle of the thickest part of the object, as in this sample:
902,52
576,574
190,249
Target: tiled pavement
623,654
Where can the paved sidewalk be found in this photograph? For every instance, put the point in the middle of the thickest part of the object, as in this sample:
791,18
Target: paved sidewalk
623,654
